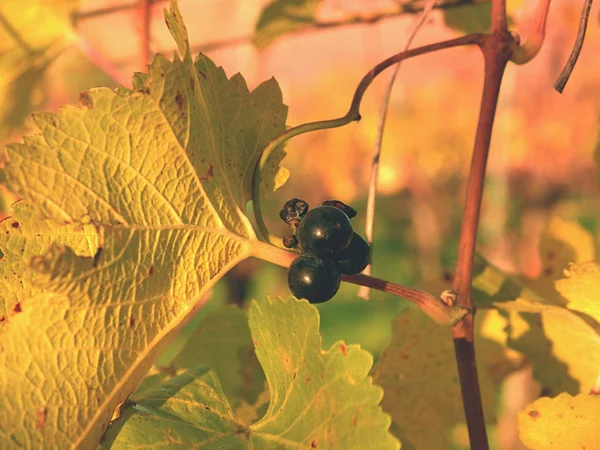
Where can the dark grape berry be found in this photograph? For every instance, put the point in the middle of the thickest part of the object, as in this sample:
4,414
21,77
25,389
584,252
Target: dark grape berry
293,211
313,278
355,258
348,210
290,241
325,232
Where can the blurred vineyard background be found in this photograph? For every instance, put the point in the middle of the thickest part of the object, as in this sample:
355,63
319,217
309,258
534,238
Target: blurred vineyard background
542,173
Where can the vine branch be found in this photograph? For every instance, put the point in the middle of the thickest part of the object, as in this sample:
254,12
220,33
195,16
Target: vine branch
441,313
496,48
352,115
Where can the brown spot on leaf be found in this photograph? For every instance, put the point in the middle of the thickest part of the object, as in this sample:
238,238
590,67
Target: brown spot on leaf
180,101
97,257
307,379
86,100
313,444
355,418
209,174
131,322
151,270
15,224
534,414
41,418
548,271
17,308
343,349
255,342
202,74
2,319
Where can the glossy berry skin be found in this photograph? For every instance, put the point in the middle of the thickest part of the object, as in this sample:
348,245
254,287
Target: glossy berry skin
313,278
325,231
355,258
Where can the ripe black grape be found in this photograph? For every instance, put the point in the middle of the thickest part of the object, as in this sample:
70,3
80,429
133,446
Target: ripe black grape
325,231
313,278
355,258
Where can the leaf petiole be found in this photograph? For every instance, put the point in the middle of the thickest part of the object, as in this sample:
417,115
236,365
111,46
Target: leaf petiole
353,115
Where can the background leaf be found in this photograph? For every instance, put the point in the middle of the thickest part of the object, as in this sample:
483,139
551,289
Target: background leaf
418,374
31,34
318,399
561,422
281,17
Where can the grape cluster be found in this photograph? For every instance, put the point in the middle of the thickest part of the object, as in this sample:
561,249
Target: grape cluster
329,245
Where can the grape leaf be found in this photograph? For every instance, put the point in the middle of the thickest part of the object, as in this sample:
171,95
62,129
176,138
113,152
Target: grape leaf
163,172
554,332
222,342
318,399
472,18
563,345
581,288
561,422
281,17
22,236
418,374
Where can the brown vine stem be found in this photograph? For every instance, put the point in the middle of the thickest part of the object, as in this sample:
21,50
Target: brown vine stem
496,49
441,313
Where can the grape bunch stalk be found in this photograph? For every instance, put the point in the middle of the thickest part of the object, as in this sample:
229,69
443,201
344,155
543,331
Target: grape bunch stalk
329,246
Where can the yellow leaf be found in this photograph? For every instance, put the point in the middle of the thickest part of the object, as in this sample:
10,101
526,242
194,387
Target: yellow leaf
581,288
563,422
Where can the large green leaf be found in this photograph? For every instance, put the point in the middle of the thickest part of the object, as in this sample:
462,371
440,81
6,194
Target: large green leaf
163,173
318,399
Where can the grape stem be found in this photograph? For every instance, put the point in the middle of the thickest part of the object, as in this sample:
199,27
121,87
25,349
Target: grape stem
353,115
439,312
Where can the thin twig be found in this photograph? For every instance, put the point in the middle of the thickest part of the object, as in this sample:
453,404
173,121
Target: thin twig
352,115
79,16
533,43
145,16
16,36
403,9
364,292
102,62
441,313
562,79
